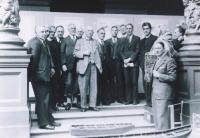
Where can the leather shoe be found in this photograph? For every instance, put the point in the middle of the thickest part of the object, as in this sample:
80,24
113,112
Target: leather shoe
94,108
83,109
49,127
68,106
56,124
60,105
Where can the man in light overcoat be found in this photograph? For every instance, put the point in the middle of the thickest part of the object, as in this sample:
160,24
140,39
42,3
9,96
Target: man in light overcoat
88,61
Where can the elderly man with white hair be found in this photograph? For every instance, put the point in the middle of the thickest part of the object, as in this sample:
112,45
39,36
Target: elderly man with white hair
88,61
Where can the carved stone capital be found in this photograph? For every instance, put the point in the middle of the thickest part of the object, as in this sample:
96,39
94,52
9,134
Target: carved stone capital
9,13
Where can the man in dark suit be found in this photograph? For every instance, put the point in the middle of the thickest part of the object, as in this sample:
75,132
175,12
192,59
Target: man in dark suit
102,96
115,71
40,72
59,38
54,47
130,56
145,46
68,62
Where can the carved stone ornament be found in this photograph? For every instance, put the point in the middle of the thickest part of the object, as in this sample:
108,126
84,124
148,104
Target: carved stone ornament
9,14
192,15
9,24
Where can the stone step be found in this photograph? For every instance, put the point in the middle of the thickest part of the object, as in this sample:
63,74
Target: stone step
115,113
64,130
105,111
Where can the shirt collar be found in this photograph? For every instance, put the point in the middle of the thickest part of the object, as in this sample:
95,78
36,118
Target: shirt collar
99,40
58,39
148,36
72,36
88,39
40,38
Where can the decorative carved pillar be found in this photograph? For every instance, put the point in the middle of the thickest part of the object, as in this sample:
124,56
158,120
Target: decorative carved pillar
14,60
189,62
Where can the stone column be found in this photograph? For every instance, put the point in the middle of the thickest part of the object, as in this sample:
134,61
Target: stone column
14,60
189,62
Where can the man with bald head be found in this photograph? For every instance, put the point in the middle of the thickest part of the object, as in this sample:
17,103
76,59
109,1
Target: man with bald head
88,61
41,69
68,64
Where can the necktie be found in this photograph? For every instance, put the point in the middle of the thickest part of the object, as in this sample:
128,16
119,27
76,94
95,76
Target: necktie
102,42
129,39
74,38
114,40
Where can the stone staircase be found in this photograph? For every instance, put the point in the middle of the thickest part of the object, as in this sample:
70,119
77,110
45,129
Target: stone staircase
113,114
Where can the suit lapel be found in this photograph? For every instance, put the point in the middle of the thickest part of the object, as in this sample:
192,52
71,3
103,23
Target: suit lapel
44,46
160,62
71,40
132,41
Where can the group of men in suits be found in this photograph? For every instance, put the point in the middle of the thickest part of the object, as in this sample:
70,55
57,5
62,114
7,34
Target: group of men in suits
121,58
106,70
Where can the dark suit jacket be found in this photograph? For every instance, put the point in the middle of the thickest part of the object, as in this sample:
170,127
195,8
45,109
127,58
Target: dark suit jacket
131,49
67,49
113,49
54,47
112,56
103,54
40,64
145,46
177,44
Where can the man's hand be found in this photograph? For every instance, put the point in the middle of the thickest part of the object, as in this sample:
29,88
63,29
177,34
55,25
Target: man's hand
181,38
87,52
64,68
156,74
52,71
127,60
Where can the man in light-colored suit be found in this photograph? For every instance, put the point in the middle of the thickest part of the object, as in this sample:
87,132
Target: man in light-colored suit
162,78
88,61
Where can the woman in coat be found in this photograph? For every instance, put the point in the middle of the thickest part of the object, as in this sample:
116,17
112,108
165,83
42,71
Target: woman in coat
162,77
